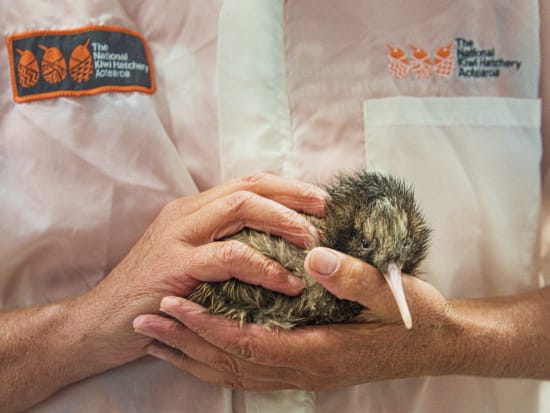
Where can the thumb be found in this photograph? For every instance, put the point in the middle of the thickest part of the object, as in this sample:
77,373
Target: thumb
344,276
353,279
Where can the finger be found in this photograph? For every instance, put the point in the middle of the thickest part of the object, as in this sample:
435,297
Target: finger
294,194
220,261
352,279
211,375
250,342
297,351
230,214
199,357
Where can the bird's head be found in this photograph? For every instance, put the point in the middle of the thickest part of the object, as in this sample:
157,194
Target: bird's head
380,234
375,218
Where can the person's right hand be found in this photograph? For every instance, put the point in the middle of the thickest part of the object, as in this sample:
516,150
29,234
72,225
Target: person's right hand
185,246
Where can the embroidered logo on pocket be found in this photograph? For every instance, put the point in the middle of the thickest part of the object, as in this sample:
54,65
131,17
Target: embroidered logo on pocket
460,57
93,59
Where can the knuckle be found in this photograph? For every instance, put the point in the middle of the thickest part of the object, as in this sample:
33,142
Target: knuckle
243,348
269,267
227,364
271,270
350,281
237,201
232,252
362,275
310,192
250,181
292,218
172,337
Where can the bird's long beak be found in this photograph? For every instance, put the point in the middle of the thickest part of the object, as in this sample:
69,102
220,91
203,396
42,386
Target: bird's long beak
395,282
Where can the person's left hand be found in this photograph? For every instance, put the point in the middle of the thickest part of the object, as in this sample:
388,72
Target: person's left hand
251,357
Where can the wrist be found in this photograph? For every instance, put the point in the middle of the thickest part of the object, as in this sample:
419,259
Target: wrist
41,351
486,338
104,328
67,340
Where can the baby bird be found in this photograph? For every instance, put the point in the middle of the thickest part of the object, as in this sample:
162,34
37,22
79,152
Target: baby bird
370,216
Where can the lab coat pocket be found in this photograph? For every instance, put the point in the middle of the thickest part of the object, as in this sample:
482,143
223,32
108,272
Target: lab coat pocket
474,163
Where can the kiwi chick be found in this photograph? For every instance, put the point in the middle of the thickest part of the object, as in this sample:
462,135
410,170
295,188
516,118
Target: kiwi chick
370,216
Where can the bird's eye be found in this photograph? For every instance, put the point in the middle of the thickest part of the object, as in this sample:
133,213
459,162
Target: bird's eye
365,244
404,244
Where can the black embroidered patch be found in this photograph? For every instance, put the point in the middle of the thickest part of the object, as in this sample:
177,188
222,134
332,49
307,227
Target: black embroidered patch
85,61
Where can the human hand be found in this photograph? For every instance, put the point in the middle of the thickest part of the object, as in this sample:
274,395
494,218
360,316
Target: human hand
219,351
184,246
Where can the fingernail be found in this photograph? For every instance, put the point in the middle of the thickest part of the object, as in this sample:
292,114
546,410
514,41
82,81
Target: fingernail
323,261
138,323
319,192
323,194
314,234
296,282
169,303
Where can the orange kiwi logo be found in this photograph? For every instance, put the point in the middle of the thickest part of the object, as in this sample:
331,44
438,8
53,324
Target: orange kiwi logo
444,61
54,67
27,69
420,63
398,64
81,65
